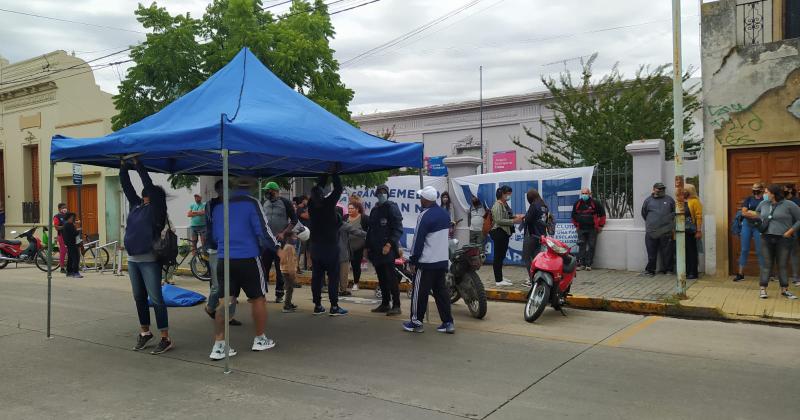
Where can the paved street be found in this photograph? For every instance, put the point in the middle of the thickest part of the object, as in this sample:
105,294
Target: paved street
586,365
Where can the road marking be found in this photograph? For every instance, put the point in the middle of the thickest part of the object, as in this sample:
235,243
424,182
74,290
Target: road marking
624,335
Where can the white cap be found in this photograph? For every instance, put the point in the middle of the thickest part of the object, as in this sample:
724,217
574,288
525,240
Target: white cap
429,193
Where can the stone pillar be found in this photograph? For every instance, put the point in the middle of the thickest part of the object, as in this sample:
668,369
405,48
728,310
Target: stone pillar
648,168
458,166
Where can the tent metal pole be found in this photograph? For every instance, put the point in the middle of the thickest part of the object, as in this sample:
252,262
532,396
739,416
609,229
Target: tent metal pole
226,261
49,246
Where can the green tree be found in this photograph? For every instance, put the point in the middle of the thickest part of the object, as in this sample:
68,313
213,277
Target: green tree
593,120
180,52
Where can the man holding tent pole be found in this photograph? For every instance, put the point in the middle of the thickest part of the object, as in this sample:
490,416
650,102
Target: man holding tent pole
250,237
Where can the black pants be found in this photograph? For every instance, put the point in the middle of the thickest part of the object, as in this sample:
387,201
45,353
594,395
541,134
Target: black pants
500,239
326,261
587,240
424,281
73,259
692,259
269,262
389,283
355,265
660,246
776,250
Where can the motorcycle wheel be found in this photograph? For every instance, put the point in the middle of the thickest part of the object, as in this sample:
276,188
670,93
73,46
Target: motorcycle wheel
538,297
41,262
476,303
454,293
200,268
3,263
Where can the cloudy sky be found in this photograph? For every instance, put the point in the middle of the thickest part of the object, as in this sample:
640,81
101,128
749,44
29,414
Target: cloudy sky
516,41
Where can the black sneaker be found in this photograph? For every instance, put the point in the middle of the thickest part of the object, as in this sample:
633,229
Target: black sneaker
649,274
211,315
235,322
141,341
381,309
289,308
298,286
163,346
319,310
739,277
278,299
394,311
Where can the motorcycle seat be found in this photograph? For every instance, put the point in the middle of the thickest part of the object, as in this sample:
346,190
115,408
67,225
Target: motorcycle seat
10,242
570,264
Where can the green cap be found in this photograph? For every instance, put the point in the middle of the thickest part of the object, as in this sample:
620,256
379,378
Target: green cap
272,186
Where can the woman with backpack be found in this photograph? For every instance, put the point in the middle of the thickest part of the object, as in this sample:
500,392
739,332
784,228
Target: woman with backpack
357,219
503,221
147,219
778,220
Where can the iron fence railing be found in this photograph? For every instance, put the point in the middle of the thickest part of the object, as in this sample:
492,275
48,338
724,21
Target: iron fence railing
30,212
612,185
753,21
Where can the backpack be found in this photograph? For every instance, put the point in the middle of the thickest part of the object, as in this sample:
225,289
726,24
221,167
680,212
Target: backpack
488,221
165,247
736,225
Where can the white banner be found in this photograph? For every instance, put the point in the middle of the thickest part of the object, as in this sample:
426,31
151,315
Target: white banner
559,188
402,191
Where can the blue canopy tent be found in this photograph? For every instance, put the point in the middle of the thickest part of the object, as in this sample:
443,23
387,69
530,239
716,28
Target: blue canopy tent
243,120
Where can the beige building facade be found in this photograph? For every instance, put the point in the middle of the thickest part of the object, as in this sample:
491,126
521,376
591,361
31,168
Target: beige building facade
751,97
53,94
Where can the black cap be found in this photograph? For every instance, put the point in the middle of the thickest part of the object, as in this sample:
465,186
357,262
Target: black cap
659,186
382,187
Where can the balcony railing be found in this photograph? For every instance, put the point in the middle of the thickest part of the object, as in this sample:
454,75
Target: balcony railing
754,22
30,212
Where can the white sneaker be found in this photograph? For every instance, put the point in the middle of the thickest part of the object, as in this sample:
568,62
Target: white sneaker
355,287
504,283
218,352
262,343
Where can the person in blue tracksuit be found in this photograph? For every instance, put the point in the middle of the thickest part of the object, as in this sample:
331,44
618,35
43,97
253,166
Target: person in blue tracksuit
429,260
249,238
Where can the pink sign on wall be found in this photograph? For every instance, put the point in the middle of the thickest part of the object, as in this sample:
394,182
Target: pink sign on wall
504,161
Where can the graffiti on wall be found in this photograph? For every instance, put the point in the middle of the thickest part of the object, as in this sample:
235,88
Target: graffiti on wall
742,124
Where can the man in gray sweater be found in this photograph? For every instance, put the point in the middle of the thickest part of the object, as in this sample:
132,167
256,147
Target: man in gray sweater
658,212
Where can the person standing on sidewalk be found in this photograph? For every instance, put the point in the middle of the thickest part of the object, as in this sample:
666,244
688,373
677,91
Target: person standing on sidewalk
58,225
347,233
589,218
210,244
358,219
778,220
503,220
477,213
429,261
197,224
658,212
535,226
281,218
146,220
694,230
71,235
288,256
749,231
383,239
325,243
249,238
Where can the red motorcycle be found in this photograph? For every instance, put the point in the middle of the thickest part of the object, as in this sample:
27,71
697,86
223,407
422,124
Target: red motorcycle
11,251
552,272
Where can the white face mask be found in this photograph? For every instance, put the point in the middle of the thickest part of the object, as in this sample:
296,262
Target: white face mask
508,197
382,198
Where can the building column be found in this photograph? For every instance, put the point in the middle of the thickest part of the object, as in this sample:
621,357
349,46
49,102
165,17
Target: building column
458,166
648,168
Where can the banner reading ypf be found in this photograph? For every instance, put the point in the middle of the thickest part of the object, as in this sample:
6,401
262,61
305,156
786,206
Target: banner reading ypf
560,189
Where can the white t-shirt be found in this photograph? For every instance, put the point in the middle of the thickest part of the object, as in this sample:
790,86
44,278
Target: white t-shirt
476,218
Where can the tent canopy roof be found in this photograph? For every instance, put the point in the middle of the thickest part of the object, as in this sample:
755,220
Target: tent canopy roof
269,129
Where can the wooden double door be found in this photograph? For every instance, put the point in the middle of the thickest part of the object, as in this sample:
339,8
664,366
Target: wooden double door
88,208
774,165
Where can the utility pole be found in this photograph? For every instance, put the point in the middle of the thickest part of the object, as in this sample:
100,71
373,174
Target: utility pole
677,114
483,162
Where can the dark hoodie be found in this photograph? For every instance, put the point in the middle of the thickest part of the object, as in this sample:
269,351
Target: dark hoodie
323,219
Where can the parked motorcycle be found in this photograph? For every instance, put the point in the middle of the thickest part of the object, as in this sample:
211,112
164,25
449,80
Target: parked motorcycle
551,274
11,251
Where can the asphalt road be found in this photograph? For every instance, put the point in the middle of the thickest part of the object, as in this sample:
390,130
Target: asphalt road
586,365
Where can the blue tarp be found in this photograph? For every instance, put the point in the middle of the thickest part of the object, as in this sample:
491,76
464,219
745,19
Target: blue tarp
269,128
174,296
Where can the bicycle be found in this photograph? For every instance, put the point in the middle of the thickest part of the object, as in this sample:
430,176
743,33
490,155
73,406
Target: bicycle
198,264
93,254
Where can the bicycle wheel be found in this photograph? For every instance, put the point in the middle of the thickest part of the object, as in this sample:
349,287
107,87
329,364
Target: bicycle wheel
200,268
95,257
41,262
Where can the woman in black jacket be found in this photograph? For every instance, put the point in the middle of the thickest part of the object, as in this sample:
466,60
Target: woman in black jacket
535,226
146,219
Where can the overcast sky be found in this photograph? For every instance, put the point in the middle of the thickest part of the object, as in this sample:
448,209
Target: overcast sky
516,41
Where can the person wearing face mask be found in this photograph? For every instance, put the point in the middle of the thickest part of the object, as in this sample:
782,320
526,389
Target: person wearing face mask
589,217
477,212
778,220
383,239
749,232
282,218
694,229
58,225
503,223
658,211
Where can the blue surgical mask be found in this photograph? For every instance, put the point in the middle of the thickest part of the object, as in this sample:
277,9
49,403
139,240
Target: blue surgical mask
585,197
766,197
382,198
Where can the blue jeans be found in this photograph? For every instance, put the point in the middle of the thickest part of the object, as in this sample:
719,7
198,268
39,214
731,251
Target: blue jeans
146,281
748,233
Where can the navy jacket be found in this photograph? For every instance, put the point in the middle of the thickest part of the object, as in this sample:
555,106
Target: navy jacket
250,235
385,227
431,248
145,221
325,218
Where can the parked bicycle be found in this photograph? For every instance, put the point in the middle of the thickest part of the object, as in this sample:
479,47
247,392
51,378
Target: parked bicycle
198,264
